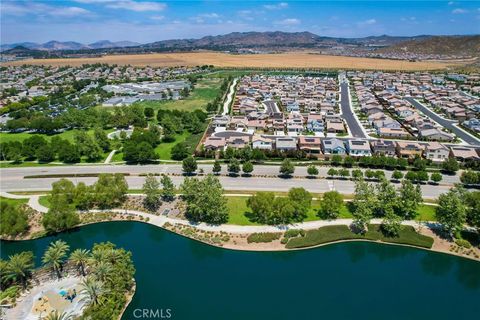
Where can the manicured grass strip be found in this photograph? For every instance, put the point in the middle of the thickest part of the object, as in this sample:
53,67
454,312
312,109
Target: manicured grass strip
327,234
263,237
67,175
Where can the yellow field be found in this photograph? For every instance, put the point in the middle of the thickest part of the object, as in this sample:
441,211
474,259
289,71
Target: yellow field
218,59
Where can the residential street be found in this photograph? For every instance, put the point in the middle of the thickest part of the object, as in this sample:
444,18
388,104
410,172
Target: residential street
12,179
348,115
449,124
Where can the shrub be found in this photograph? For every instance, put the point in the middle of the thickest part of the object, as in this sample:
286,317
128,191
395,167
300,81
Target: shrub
263,237
292,233
463,243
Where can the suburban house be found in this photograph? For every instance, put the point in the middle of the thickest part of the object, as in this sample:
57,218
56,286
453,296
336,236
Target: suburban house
220,121
358,148
436,152
333,146
462,153
259,142
286,144
408,149
310,144
435,134
335,126
472,124
392,133
384,147
214,143
238,142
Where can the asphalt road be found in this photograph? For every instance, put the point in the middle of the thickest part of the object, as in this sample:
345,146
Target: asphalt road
12,179
347,113
449,124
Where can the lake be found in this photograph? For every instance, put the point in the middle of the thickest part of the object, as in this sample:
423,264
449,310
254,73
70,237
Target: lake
342,281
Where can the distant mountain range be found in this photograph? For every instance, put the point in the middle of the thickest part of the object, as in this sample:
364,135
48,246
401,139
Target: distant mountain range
424,44
69,45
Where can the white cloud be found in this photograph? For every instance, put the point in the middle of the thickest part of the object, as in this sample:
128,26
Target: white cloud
41,9
137,6
157,18
459,11
368,22
281,5
289,22
209,15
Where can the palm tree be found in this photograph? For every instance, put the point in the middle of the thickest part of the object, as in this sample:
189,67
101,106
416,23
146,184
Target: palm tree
55,256
19,268
102,271
80,257
91,291
58,316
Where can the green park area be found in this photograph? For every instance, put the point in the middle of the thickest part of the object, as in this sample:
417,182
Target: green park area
205,91
240,213
13,202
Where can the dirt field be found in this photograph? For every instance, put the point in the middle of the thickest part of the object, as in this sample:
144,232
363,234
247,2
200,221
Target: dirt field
283,60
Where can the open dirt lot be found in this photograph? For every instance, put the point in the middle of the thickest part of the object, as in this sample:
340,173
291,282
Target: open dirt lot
283,60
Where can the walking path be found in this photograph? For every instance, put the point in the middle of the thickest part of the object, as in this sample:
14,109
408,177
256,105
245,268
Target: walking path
110,156
226,105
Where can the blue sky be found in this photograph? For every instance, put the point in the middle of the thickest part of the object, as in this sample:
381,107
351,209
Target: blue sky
145,21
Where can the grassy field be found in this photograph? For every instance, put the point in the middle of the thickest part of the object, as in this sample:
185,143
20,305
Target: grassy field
68,135
164,149
204,92
13,202
218,59
239,212
44,201
327,234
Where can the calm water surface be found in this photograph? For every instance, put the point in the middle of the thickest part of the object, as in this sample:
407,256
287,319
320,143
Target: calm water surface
355,280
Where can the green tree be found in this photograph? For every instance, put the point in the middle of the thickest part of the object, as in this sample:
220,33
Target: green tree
357,174
31,145
301,200
344,173
247,168
180,151
332,172
233,167
60,216
436,177
348,161
411,176
312,171
55,255
450,165
451,212
419,164
287,168
19,268
336,159
46,153
472,204
205,200
387,198
168,188
409,199
422,176
80,257
470,177
332,202
101,139
217,168
397,175
13,219
151,189
391,224
361,216
189,165
91,291
110,190
261,205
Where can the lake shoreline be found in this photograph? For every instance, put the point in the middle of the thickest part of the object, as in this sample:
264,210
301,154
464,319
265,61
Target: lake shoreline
240,243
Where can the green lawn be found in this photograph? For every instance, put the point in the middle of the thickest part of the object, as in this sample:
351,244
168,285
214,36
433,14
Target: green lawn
164,149
7,137
239,212
204,92
44,201
13,202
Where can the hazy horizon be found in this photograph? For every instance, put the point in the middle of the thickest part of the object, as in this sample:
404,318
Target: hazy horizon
88,21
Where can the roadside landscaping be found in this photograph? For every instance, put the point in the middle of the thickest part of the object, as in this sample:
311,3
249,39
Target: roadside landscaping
407,235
